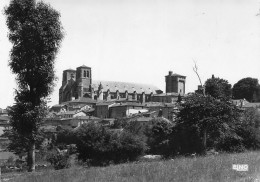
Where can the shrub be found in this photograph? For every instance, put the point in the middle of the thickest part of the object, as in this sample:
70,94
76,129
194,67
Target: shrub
59,160
100,146
65,137
159,137
129,147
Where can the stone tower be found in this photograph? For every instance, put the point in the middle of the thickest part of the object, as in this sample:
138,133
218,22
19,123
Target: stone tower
83,80
68,79
175,83
67,75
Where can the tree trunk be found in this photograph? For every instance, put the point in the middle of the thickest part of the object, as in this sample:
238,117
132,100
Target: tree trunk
204,141
31,157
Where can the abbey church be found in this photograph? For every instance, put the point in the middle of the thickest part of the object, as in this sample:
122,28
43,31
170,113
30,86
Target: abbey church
78,83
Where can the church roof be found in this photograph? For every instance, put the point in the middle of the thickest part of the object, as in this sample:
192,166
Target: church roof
83,66
70,70
125,86
167,94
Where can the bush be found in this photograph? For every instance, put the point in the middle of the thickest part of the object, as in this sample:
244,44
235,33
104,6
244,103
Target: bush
59,160
159,137
230,143
100,146
65,137
249,128
128,147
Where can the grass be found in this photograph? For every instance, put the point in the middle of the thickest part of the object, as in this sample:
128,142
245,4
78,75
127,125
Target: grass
205,169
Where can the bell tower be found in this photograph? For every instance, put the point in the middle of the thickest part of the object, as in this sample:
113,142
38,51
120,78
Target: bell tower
83,80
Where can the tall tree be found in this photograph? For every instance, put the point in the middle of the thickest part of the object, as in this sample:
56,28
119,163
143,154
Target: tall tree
247,88
218,88
206,117
36,34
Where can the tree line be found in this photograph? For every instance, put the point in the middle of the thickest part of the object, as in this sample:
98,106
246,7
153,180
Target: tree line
246,88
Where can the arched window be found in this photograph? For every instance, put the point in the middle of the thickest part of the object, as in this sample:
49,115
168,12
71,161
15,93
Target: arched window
85,74
88,74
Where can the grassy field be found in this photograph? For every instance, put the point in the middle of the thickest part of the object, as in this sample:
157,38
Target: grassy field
210,168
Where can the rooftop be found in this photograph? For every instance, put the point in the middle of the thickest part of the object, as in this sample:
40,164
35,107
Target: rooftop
70,70
125,86
127,104
254,104
83,66
4,118
168,94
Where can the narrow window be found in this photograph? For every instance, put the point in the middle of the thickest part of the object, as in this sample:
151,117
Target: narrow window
85,73
88,74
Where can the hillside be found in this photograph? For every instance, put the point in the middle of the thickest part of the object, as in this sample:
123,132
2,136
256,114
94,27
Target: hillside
209,168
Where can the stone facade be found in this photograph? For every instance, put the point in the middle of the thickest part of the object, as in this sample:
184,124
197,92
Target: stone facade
78,83
175,83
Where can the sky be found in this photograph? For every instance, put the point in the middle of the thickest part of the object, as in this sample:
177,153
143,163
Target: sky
140,41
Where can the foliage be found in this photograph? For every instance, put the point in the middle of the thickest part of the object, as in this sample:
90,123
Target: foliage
249,129
101,146
247,88
136,128
36,33
119,123
159,137
19,144
218,88
25,124
66,137
59,160
204,118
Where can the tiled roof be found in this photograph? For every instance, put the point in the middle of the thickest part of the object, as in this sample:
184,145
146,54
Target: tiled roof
87,117
67,112
58,105
178,75
127,104
105,103
4,118
88,110
154,104
144,119
83,66
70,70
169,94
159,104
175,74
3,111
125,86
255,105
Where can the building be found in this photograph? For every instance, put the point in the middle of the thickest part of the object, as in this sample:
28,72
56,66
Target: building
121,110
175,88
3,112
4,123
78,83
175,83
109,99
